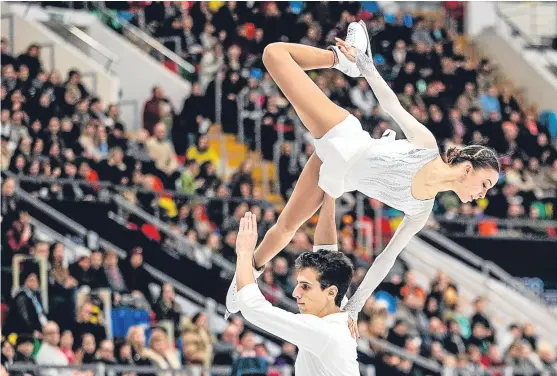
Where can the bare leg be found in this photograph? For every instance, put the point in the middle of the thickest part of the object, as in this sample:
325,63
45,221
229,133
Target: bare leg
304,202
286,63
326,230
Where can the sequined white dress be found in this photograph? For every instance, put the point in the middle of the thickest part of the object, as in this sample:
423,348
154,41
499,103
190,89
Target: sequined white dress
382,169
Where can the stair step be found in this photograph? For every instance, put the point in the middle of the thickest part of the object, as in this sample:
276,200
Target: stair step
258,171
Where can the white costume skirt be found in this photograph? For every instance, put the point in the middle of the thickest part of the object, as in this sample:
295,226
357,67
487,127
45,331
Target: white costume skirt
339,148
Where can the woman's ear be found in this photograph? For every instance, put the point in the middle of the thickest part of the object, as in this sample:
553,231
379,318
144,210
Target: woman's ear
468,168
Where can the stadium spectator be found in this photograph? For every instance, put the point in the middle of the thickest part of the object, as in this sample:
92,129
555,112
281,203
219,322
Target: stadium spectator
166,307
66,346
88,323
163,154
27,314
54,128
226,347
105,352
62,287
202,152
136,341
24,354
49,352
135,275
157,109
160,352
9,203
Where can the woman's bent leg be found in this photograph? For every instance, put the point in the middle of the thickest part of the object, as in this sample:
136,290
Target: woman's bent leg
304,202
286,63
326,229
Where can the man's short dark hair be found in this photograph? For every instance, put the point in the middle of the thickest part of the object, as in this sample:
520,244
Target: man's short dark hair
333,268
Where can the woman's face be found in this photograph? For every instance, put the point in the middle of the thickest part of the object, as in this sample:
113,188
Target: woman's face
58,252
533,164
45,100
201,321
125,352
26,145
474,184
159,343
432,305
138,337
34,169
20,162
67,125
54,150
88,343
8,350
66,340
39,146
517,164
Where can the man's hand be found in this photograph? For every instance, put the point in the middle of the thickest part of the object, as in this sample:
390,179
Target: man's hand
347,50
247,235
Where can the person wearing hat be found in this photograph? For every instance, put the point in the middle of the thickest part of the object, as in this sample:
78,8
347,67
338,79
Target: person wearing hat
26,313
25,345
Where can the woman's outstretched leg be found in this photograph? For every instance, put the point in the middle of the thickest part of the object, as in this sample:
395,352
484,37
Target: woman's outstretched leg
286,63
304,202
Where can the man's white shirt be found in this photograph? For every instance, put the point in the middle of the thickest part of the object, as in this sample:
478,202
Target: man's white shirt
325,345
52,355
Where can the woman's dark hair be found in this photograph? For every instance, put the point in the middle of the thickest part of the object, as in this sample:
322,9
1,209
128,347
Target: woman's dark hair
481,157
334,268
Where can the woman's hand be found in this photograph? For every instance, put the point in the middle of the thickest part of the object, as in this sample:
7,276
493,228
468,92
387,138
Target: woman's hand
353,326
347,50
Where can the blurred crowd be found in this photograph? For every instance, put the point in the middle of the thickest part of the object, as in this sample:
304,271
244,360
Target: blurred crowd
53,127
454,93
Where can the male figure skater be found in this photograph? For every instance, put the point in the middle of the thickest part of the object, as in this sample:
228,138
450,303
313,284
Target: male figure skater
326,346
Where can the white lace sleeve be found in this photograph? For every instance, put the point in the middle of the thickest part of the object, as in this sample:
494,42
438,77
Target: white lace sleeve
409,227
414,131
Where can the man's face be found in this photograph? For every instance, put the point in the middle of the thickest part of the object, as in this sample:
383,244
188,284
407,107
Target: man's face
51,334
311,299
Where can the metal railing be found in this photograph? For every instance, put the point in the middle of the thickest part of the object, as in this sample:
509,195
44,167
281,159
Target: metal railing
11,27
102,369
503,22
536,21
137,35
209,304
85,43
176,40
507,228
219,77
49,47
488,268
125,188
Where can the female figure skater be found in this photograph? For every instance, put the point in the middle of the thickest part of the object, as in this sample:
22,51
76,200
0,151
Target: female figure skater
404,174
